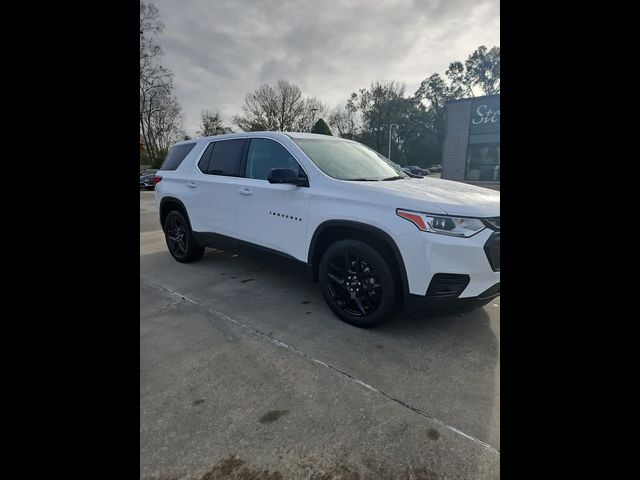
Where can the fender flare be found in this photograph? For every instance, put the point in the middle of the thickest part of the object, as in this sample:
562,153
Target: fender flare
378,233
173,200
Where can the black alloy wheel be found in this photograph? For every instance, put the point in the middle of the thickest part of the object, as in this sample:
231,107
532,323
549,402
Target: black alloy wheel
353,284
179,238
357,283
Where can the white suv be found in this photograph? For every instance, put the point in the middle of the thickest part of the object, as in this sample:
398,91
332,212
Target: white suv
372,236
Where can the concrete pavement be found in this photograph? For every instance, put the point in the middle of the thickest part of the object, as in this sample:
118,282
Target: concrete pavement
246,373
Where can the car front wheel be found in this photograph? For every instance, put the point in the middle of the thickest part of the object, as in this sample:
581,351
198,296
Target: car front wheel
357,283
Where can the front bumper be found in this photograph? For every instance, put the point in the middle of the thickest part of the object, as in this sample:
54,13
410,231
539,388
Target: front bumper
427,254
430,303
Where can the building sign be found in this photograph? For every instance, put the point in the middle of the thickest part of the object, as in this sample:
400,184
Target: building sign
485,115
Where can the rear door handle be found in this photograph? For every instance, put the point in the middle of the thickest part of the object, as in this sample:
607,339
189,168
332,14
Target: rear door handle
192,185
245,191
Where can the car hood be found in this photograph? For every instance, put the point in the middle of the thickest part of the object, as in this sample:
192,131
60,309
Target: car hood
454,198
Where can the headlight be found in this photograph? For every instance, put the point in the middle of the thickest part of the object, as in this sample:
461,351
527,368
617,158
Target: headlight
443,224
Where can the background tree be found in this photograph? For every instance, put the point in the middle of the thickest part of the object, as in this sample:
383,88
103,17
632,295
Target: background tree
365,116
150,25
432,95
321,127
460,82
483,69
211,124
383,104
160,112
418,139
419,144
165,122
278,108
345,118
313,110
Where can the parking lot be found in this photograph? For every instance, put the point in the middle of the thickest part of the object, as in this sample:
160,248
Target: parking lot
245,373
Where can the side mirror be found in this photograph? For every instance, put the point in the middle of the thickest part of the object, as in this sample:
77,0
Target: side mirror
285,175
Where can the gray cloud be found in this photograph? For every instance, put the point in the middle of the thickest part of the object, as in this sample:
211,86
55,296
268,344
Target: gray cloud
219,50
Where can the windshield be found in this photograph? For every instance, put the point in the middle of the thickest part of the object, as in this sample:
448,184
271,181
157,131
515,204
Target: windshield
345,160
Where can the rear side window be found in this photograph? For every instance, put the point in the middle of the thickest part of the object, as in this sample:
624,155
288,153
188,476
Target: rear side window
203,164
226,158
176,155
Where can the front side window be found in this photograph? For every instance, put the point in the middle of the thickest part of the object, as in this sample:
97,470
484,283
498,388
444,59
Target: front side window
483,163
263,155
344,160
226,157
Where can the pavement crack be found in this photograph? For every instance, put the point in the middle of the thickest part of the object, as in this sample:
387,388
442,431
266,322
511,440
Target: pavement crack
160,308
267,336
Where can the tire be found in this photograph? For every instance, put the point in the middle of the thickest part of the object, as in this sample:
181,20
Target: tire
179,237
367,296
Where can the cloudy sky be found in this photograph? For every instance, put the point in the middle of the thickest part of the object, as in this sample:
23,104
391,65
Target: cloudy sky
221,49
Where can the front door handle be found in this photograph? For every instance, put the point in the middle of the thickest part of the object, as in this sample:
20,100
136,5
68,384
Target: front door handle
192,185
245,191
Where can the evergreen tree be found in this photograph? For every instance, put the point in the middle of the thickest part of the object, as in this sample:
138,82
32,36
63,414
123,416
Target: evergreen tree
322,128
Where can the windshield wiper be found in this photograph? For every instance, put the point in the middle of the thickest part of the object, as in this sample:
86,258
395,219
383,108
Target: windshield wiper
397,177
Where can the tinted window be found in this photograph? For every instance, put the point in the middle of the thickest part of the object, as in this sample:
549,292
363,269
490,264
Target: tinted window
264,155
483,163
176,155
226,157
203,164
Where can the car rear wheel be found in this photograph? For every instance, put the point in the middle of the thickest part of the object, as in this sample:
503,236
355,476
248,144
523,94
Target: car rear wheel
179,237
357,283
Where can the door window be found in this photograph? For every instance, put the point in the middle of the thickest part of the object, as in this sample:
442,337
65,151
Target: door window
266,154
226,158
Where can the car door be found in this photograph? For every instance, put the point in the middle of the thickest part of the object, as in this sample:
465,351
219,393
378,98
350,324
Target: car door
213,189
272,215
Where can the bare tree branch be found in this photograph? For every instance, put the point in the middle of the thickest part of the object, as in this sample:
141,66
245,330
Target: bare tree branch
279,108
160,112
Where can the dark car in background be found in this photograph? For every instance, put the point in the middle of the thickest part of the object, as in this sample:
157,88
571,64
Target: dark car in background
411,173
416,170
146,177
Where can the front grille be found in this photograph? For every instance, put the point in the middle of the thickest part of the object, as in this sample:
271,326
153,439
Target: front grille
447,285
492,249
